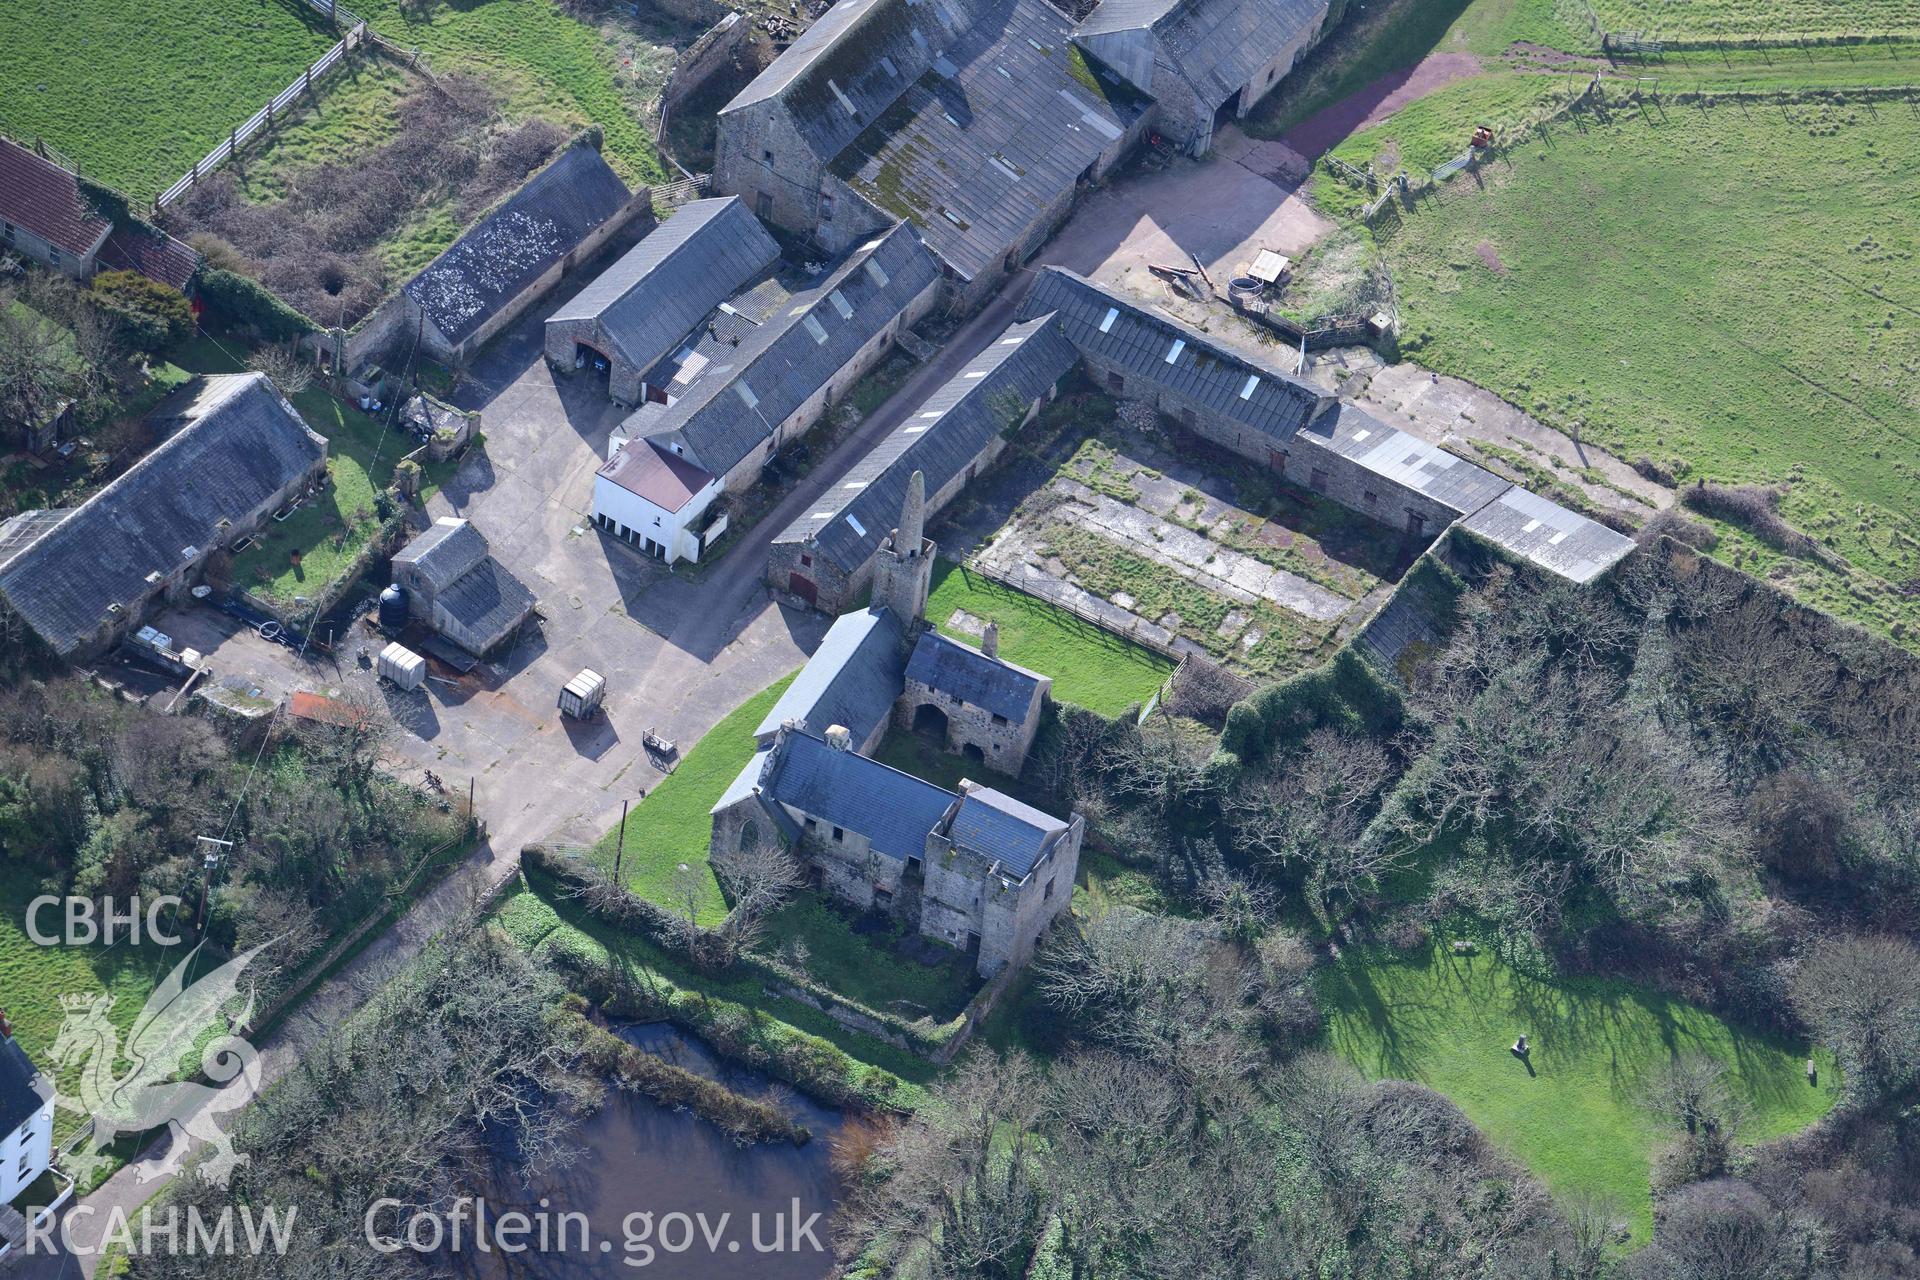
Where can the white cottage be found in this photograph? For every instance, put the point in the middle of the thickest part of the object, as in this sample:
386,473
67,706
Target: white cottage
26,1118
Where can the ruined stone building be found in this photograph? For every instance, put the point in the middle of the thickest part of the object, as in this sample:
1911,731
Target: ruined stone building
978,121
974,867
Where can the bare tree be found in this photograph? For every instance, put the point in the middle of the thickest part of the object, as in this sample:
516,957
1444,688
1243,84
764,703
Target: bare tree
283,365
1861,995
689,891
758,878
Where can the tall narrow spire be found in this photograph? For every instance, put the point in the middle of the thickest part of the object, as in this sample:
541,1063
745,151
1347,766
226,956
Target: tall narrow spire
913,517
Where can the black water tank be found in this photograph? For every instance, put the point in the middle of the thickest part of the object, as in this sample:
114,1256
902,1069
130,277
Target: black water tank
393,608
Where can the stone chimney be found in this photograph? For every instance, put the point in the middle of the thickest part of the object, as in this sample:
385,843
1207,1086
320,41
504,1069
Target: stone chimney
839,737
903,564
990,640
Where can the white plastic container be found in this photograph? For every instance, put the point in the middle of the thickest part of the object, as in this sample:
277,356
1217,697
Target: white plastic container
403,666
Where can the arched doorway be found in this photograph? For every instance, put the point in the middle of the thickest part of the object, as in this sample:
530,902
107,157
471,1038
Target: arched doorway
749,835
973,754
931,721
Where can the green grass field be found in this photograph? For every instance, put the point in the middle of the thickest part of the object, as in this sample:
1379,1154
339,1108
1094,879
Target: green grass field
548,64
1447,1021
1781,20
1727,290
1090,667
33,978
671,825
864,968
135,95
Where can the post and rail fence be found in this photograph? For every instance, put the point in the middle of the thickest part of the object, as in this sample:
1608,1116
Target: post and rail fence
303,83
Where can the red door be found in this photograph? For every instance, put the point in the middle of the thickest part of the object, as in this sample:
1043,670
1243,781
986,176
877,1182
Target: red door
802,586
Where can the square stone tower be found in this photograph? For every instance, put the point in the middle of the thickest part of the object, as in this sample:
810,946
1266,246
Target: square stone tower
903,566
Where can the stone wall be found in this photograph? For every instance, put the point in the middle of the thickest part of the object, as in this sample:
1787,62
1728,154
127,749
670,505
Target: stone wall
1015,918
1001,742
785,189
1311,465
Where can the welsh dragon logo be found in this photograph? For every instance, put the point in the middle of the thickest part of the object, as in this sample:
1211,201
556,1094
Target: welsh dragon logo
175,1019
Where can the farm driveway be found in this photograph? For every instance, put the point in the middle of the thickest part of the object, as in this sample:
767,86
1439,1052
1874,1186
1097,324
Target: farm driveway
1243,198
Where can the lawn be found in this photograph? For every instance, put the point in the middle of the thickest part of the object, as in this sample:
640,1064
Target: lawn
671,825
1448,1020
1779,20
1724,289
1091,668
856,959
33,978
547,63
539,919
332,530
133,95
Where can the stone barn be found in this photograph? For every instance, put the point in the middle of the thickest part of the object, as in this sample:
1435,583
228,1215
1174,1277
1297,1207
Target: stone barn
978,121
508,260
1311,438
637,311
456,587
233,451
764,368
977,704
825,557
1203,62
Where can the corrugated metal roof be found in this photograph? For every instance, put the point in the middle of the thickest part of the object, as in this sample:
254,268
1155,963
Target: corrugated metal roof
996,826
662,478
948,666
940,439
1547,534
982,145
649,300
779,365
506,250
895,811
852,679
447,548
1114,329
487,600
236,444
1405,460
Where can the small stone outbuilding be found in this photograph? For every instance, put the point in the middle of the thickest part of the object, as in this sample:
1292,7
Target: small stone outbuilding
456,587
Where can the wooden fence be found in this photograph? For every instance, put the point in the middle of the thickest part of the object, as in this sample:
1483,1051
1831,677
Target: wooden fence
260,119
672,195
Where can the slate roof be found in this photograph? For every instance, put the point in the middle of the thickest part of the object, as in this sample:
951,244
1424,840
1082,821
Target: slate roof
1221,45
1218,45
948,666
666,480
20,1096
851,64
45,199
20,531
989,137
1547,534
237,446
895,811
1405,460
1113,329
852,679
941,439
730,408
509,248
996,826
658,291
445,550
153,253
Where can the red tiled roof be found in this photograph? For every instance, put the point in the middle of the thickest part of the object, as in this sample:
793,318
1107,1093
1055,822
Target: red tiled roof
665,479
43,198
154,254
